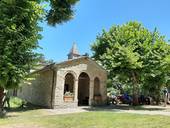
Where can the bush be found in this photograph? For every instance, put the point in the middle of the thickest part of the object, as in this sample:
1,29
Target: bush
15,102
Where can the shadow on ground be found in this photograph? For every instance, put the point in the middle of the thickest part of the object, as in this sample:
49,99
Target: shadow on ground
23,108
96,108
125,107
13,112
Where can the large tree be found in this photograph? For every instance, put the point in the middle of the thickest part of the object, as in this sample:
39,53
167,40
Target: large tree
123,51
19,35
156,71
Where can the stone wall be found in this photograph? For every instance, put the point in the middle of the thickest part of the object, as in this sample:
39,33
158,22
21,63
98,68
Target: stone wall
39,91
66,105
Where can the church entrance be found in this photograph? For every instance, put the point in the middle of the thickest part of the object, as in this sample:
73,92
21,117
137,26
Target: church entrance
83,89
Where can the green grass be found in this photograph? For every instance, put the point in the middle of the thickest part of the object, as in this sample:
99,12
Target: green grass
96,119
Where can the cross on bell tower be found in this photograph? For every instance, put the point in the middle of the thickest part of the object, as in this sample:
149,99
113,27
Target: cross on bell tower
73,52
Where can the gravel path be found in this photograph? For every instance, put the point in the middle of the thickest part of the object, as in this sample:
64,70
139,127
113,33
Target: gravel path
150,110
145,112
68,110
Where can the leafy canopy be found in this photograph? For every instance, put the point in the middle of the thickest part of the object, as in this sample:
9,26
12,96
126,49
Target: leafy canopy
61,11
122,48
133,55
19,34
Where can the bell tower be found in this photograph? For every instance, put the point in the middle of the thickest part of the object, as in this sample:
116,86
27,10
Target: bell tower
73,52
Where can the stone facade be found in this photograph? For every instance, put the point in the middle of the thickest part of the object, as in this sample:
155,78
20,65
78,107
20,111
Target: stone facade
83,77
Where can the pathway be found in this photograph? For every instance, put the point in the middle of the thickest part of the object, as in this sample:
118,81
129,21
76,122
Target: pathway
150,110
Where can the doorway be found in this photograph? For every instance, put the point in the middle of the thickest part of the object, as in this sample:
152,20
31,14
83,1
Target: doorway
83,89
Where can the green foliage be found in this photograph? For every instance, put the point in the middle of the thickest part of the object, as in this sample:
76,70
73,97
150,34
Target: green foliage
120,49
61,11
134,56
156,63
19,35
15,102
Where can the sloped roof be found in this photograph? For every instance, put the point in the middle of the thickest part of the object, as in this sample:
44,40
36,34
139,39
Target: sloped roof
81,58
71,60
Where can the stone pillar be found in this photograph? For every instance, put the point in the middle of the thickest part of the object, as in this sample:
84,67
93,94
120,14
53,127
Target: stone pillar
76,91
59,90
103,89
91,92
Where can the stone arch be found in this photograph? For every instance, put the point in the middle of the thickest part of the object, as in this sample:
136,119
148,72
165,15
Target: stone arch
71,72
69,83
83,88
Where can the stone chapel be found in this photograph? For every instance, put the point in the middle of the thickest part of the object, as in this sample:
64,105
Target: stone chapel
77,81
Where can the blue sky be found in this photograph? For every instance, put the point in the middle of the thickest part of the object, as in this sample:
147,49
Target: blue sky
91,16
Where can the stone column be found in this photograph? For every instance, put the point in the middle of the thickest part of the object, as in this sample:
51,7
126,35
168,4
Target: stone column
59,90
91,92
103,90
76,90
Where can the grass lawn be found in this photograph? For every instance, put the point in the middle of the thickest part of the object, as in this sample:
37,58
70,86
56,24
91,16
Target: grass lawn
97,119
40,118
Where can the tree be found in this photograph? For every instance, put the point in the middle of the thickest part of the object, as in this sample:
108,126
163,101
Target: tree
19,35
123,52
156,66
61,11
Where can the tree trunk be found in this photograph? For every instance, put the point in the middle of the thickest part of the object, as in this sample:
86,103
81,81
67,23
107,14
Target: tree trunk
1,101
165,100
157,98
135,89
